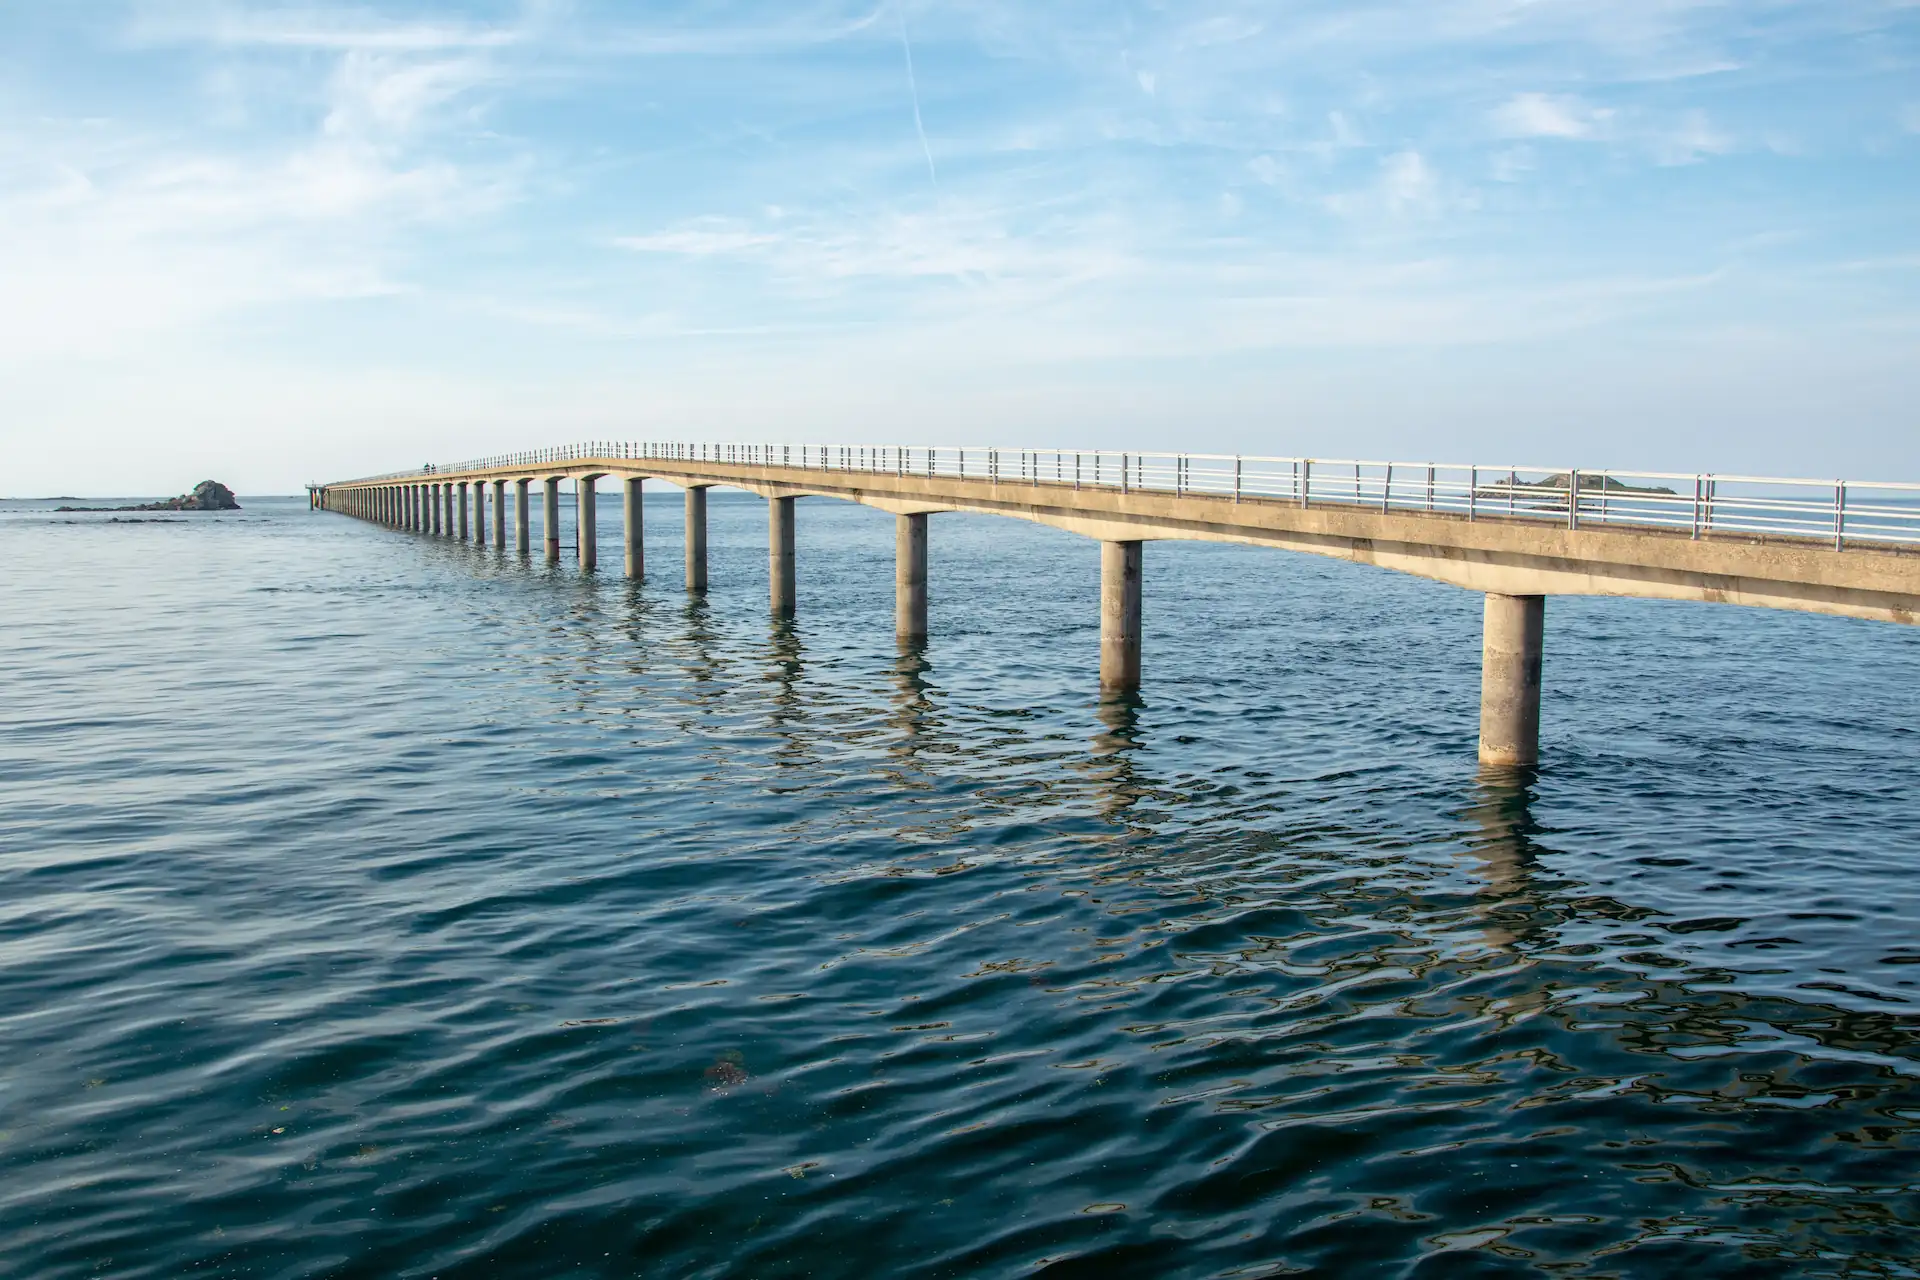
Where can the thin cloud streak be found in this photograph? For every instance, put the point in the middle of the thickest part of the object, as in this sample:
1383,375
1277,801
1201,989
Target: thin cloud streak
913,88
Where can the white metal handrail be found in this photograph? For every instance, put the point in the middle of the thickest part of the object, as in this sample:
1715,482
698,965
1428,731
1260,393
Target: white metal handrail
1834,512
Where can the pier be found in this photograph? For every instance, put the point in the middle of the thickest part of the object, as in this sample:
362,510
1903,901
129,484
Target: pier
1515,534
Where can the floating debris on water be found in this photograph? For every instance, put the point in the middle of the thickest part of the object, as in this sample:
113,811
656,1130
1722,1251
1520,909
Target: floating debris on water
728,1069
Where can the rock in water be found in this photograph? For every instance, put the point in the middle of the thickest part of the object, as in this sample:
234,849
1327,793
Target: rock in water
208,495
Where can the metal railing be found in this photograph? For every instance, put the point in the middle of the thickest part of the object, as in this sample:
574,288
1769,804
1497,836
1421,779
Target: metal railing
1838,513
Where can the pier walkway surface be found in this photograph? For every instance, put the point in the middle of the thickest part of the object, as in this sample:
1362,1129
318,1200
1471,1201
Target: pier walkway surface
1518,534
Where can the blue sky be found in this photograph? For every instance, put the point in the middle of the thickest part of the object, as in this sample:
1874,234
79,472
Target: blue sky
272,243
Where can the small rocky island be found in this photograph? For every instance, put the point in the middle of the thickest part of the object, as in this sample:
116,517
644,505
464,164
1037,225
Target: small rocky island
208,495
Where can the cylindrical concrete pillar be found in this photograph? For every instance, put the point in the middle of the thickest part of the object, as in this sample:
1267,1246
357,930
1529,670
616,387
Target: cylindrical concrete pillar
479,513
697,538
416,506
461,498
522,512
550,517
780,553
446,501
433,508
499,515
910,576
1513,627
636,533
1120,615
586,529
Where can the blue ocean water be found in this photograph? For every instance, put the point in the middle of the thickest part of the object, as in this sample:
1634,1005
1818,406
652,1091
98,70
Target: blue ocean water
377,905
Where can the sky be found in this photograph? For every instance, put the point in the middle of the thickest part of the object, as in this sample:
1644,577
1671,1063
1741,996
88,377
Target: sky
272,243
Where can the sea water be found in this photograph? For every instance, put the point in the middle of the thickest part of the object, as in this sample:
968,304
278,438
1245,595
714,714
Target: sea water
373,904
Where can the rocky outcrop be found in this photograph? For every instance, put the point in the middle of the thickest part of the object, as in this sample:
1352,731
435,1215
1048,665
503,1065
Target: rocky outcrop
208,495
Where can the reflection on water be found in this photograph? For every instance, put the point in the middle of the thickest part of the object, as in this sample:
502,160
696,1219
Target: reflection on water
462,916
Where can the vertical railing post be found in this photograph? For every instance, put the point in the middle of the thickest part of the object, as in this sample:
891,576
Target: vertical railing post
1573,498
1236,478
1386,489
1699,487
1839,515
1473,492
1303,481
1124,481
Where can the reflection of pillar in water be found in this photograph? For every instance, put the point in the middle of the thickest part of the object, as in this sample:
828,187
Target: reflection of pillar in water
913,708
1502,810
1113,747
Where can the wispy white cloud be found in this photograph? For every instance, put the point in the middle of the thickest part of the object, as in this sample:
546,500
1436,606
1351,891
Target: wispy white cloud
1690,140
1406,186
964,245
913,90
324,27
1544,115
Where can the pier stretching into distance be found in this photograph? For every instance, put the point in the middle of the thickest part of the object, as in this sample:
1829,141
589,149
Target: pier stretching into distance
1516,534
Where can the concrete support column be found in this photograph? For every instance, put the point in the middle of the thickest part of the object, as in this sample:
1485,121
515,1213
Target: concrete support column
499,515
697,538
479,513
433,509
586,534
636,532
1510,679
446,509
910,576
462,499
522,512
414,507
1120,615
550,517
780,553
